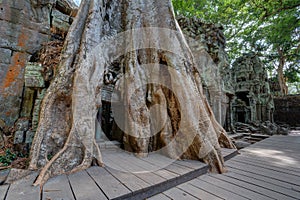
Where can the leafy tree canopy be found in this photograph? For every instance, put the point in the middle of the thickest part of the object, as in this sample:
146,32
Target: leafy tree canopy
267,27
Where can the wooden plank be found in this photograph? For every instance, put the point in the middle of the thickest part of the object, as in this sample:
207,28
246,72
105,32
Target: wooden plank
275,143
193,164
226,151
262,184
267,165
286,138
283,138
58,188
256,188
159,197
23,189
280,143
245,192
158,160
278,156
129,180
167,164
265,179
141,163
220,192
166,174
265,172
108,183
275,146
197,192
273,154
178,169
3,190
177,194
151,178
284,162
84,187
140,168
121,163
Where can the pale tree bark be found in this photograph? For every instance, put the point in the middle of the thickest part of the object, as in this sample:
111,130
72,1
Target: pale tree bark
281,80
164,108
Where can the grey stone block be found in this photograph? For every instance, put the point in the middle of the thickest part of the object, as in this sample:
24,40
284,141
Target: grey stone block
33,75
5,55
29,137
19,137
22,125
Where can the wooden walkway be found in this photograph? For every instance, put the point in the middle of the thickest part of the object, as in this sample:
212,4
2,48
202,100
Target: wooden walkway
269,169
124,177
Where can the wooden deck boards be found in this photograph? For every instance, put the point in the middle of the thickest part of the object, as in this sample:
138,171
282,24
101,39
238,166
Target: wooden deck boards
23,189
269,169
3,191
58,188
124,177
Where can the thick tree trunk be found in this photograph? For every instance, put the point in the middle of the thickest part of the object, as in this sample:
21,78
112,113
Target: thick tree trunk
164,108
281,80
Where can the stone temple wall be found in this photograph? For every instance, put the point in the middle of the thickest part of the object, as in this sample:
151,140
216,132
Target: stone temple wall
207,43
25,25
23,30
287,110
253,101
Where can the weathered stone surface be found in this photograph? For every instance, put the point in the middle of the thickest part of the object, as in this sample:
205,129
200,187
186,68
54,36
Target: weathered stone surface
254,101
29,137
11,87
22,30
60,22
36,109
28,102
5,55
2,124
22,125
19,137
1,139
33,75
24,26
19,38
287,110
207,43
268,128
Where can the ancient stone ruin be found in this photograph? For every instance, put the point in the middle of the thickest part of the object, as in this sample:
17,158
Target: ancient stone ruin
25,26
287,110
253,99
238,94
207,42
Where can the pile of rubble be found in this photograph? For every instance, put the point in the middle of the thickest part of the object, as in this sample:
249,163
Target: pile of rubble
247,134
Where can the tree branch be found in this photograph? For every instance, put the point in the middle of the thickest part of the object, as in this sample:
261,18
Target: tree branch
279,10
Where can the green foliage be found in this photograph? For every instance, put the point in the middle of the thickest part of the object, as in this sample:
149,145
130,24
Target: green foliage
6,160
292,75
266,27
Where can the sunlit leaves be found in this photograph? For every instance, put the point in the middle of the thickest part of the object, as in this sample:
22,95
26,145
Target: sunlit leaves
261,26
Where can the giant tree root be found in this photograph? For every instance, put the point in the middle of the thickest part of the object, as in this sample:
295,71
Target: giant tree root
153,74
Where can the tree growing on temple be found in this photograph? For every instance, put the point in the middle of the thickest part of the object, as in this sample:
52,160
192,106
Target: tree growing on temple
268,28
139,47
